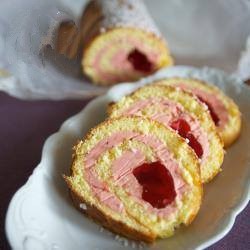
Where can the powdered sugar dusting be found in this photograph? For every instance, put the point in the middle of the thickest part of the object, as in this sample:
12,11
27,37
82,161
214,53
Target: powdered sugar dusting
127,13
130,244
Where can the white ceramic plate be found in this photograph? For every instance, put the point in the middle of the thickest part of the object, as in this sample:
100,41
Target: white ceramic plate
41,216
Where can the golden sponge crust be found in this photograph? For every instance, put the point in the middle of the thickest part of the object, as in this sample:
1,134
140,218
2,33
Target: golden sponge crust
107,222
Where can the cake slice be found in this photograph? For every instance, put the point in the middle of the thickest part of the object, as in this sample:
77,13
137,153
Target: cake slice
225,113
136,177
183,113
120,42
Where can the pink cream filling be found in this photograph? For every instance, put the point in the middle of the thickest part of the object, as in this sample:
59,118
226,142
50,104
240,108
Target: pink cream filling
168,112
122,169
218,107
120,61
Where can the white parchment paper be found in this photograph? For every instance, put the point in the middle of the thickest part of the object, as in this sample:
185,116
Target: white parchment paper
200,33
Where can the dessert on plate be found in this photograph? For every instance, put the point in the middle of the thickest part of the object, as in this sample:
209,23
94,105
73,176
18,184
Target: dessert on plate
140,172
224,111
136,177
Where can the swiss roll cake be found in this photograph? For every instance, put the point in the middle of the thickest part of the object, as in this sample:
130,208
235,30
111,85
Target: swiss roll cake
223,110
136,177
120,42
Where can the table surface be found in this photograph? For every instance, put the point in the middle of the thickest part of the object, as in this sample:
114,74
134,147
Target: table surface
25,125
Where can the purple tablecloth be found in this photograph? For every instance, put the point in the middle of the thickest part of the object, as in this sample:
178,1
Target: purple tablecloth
24,127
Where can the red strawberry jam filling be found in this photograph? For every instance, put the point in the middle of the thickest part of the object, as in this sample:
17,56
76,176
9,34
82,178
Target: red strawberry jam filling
157,184
184,131
216,107
140,61
211,110
126,63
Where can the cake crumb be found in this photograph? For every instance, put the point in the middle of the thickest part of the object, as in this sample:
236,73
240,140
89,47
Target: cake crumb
83,206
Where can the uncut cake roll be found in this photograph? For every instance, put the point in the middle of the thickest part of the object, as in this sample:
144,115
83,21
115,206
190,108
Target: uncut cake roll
182,112
120,42
136,177
225,113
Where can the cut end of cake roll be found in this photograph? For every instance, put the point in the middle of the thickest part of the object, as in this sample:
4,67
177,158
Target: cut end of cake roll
136,177
121,42
223,110
185,114
124,54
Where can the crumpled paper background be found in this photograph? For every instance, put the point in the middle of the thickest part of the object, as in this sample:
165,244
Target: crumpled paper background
200,33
